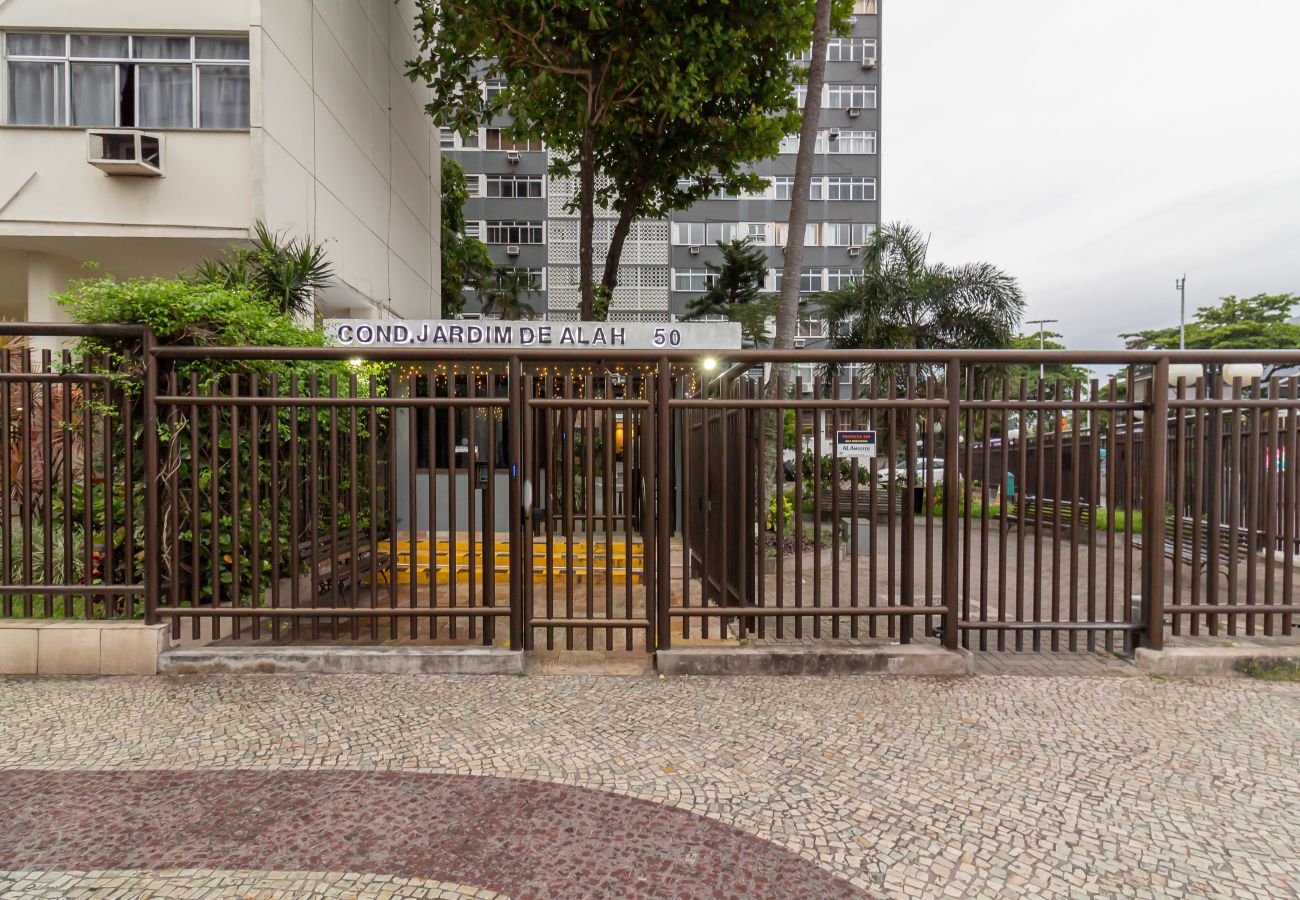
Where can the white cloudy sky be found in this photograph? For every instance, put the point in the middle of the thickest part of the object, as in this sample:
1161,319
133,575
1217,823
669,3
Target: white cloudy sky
1099,150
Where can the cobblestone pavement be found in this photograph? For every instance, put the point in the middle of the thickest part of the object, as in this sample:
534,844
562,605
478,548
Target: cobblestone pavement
983,786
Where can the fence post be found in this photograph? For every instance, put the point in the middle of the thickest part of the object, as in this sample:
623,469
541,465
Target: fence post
520,533
951,487
1153,527
149,435
663,498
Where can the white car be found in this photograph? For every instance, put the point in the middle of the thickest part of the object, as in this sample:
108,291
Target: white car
898,474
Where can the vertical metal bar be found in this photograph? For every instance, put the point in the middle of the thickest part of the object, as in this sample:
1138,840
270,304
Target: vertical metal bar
778,494
819,431
236,628
372,500
928,623
553,474
453,518
528,469
951,479
893,500
26,421
431,390
987,498
412,510
663,434
1269,465
570,501
47,479
353,472
1094,502
274,485
966,464
149,428
589,502
1252,471
488,544
1157,439
295,512
7,489
798,506
855,472
1233,514
473,557
196,553
515,530
607,418
1076,507
1022,492
66,428
1201,480
650,570
836,479
873,497
1058,451
255,504
1114,470
1180,486
908,587
1130,492
1291,502
1040,481
1005,499
313,497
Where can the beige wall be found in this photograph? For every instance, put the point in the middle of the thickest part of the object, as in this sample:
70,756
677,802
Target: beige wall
339,147
346,151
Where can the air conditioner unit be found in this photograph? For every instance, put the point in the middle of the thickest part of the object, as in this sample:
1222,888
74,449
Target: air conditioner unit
512,250
695,249
512,156
833,134
854,251
120,152
854,112
869,62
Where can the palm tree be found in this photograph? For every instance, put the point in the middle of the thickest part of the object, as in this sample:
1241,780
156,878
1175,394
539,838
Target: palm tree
903,301
506,295
287,272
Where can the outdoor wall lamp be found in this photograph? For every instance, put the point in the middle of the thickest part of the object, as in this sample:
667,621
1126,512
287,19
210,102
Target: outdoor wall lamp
709,363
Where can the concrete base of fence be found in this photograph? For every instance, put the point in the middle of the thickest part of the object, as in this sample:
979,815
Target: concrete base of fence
62,647
901,659
1209,661
342,661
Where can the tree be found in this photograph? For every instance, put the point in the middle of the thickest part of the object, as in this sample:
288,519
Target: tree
903,301
465,260
287,272
648,94
788,309
1051,372
1261,322
737,292
505,295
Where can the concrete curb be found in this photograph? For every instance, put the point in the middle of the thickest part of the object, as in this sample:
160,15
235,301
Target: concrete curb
342,661
1208,661
908,659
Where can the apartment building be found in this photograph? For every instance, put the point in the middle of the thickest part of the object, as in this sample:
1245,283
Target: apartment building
145,136
519,212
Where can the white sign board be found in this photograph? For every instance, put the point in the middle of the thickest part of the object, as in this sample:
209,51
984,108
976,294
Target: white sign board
855,444
486,333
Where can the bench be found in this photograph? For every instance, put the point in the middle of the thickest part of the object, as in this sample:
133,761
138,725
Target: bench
1028,509
864,509
333,573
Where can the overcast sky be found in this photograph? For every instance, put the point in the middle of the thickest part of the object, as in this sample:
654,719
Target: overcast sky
1099,150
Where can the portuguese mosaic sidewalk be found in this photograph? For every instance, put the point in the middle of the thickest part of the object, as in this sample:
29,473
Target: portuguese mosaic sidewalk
1098,785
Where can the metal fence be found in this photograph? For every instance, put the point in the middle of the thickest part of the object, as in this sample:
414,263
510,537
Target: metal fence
632,500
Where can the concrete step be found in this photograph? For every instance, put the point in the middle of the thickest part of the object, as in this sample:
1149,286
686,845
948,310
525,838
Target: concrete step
341,660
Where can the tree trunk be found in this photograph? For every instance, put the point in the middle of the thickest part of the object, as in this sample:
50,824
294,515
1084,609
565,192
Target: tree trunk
787,312
616,241
586,224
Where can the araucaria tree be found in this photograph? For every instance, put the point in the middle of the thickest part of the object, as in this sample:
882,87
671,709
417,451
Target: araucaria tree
904,301
736,291
669,99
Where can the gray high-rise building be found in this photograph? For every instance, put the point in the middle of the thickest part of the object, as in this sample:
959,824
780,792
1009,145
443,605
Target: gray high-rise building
518,210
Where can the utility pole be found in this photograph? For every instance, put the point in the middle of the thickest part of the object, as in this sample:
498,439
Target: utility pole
1181,284
1040,323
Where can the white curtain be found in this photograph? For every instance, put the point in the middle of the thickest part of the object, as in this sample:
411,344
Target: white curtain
223,97
94,95
36,93
166,97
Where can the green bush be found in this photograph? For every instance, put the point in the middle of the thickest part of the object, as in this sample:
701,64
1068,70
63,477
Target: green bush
787,512
1117,520
181,312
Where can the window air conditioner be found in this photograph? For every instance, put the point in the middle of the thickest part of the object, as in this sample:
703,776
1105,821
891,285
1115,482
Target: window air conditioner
869,62
833,134
854,251
854,112
125,152
512,156
695,249
512,250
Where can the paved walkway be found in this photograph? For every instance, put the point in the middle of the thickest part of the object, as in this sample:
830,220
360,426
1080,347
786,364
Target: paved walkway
585,786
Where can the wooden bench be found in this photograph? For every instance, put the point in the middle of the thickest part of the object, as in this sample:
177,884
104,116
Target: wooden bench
333,572
864,509
1028,510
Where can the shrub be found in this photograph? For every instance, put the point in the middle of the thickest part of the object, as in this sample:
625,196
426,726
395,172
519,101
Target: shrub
787,512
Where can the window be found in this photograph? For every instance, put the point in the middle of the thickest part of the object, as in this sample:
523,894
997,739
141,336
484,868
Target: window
789,144
838,234
497,139
811,234
801,94
474,230
536,277
854,142
815,188
128,81
839,278
805,56
756,233
810,281
514,232
446,138
492,88
721,193
843,96
864,7
784,185
720,231
688,234
514,186
850,49
845,187
693,280
474,185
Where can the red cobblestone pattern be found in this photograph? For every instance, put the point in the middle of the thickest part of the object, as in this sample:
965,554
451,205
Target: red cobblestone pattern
520,838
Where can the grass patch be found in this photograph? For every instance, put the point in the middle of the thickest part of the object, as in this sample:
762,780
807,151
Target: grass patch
1271,669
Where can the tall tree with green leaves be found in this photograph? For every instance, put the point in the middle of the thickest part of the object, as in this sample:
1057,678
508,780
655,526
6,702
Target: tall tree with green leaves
647,94
504,295
904,301
1261,322
737,291
465,260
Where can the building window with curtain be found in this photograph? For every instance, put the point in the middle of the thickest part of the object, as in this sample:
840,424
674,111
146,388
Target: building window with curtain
127,80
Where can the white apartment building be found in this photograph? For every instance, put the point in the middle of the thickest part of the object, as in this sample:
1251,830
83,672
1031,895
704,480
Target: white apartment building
144,136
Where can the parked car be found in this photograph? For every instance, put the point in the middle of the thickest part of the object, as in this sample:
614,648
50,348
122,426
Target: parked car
898,474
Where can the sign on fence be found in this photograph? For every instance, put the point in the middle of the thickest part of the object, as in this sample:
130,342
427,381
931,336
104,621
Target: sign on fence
482,333
855,444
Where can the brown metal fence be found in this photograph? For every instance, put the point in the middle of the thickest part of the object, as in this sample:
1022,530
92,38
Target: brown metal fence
630,500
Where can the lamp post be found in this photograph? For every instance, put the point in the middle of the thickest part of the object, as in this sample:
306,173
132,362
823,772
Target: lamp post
1040,323
1181,285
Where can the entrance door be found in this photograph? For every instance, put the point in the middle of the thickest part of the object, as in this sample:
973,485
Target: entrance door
587,540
